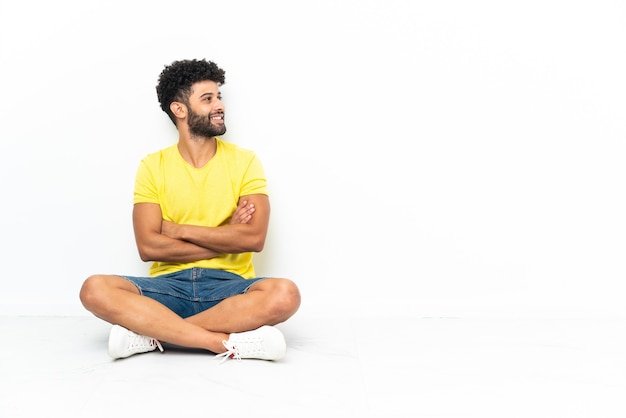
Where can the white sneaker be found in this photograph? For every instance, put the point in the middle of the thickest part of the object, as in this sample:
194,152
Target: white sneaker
124,343
265,343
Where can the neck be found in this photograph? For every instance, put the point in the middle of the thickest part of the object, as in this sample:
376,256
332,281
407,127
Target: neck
197,151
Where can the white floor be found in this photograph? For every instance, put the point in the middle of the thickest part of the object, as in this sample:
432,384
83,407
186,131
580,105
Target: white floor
421,367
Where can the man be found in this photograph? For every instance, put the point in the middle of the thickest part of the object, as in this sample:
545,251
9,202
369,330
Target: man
200,211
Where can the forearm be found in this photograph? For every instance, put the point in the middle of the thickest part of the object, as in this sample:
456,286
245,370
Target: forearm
245,232
166,249
231,239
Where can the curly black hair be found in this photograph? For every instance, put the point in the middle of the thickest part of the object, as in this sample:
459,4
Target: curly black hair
176,79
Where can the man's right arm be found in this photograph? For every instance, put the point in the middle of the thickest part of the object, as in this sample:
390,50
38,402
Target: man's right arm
154,246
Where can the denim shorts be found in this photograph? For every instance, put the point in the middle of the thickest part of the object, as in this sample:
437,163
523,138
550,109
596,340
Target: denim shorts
192,291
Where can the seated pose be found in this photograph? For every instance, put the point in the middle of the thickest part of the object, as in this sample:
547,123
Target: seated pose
201,210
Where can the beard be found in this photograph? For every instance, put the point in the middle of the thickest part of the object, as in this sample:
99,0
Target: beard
200,125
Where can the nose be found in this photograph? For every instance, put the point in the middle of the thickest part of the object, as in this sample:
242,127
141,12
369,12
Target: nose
219,105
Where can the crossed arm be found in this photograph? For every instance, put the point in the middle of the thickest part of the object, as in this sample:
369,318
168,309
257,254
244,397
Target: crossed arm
159,240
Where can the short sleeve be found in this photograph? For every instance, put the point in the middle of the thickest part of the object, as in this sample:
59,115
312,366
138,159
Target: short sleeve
254,181
146,190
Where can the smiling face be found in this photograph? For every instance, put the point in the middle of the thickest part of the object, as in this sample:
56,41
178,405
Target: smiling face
206,110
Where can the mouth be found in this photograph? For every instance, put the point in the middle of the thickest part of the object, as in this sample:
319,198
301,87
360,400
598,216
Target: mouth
218,117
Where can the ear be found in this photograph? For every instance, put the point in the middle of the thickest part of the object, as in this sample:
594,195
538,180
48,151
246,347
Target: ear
178,109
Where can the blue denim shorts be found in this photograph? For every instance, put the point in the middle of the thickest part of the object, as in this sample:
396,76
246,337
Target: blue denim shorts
192,291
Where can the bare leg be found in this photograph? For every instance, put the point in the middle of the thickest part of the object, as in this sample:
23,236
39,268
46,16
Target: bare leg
267,302
116,300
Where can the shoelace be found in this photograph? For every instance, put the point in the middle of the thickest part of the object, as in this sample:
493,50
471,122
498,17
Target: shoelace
158,344
233,350
140,341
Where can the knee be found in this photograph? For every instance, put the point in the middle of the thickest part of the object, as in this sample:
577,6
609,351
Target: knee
91,290
286,299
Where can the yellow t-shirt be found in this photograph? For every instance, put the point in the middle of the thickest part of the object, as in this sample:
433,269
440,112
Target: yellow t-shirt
205,196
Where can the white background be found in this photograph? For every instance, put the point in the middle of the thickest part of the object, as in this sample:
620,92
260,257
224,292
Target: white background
430,158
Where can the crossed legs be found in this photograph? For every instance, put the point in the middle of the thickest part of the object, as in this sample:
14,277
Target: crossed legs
117,301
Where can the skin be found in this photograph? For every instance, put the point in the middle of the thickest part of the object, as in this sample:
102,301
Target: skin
267,302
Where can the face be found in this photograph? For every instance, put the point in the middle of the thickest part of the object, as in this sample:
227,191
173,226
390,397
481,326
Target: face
206,111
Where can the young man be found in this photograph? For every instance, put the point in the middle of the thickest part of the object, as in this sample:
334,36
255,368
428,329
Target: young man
200,211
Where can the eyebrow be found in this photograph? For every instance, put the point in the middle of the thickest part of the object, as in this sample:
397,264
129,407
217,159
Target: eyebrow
209,94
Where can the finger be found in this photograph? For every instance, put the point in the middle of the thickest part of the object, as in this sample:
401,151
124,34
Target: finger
246,210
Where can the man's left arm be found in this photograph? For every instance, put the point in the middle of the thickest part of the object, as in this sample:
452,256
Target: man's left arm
233,238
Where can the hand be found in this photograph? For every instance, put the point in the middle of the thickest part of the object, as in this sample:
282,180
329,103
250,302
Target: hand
243,213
